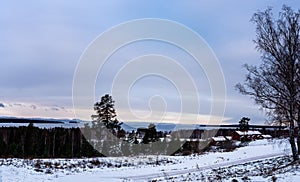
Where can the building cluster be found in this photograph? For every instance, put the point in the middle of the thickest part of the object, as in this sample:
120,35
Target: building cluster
240,136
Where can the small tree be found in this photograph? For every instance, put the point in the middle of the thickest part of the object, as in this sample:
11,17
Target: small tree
244,124
151,134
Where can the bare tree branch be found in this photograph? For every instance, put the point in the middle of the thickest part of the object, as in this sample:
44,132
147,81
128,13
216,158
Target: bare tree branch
275,83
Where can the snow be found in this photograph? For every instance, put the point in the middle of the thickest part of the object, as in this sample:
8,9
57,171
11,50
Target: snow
145,168
229,137
248,132
259,170
219,139
267,136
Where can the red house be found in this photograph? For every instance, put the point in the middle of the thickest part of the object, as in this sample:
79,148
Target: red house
246,135
218,140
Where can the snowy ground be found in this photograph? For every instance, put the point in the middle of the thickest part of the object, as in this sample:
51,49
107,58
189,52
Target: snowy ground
260,161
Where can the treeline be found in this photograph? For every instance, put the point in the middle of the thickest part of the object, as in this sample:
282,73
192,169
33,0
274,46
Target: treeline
33,142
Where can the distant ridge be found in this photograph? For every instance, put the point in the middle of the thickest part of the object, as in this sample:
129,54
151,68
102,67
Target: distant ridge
129,126
172,126
35,120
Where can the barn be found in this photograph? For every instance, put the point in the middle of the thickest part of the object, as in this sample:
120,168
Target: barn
218,140
246,135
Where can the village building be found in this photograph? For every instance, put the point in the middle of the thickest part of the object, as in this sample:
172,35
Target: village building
218,140
246,135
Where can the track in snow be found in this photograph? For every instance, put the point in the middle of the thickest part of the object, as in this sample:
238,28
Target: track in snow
148,177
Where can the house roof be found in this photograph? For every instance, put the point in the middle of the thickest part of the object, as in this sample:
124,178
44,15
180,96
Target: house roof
221,138
248,132
267,136
228,137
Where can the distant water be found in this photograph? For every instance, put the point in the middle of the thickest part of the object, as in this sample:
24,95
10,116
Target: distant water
128,126
44,125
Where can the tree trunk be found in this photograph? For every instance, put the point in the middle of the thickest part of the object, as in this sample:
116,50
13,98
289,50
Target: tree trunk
298,142
293,146
298,133
53,145
292,134
72,144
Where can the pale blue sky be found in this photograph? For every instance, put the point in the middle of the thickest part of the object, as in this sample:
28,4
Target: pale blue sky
41,43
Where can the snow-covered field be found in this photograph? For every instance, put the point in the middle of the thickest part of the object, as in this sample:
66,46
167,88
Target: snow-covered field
260,161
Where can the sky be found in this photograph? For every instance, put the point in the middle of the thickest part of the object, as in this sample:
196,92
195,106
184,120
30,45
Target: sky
42,43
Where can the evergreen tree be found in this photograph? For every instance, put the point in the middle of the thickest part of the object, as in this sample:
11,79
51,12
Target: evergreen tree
105,116
151,134
244,124
2,145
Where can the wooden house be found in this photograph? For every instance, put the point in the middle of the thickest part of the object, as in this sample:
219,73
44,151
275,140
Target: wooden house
218,140
246,135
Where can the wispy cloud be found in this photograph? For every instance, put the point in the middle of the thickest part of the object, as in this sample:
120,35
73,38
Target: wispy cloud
40,46
35,110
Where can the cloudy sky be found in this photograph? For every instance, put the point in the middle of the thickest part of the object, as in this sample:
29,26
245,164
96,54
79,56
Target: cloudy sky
41,43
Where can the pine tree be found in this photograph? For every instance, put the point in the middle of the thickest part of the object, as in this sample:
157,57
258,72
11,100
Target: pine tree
150,135
244,124
105,116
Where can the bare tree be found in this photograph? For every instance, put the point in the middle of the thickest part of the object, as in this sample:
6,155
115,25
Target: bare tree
274,84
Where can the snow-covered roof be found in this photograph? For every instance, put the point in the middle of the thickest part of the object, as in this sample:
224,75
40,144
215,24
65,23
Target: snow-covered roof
191,139
229,137
267,136
248,132
219,139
